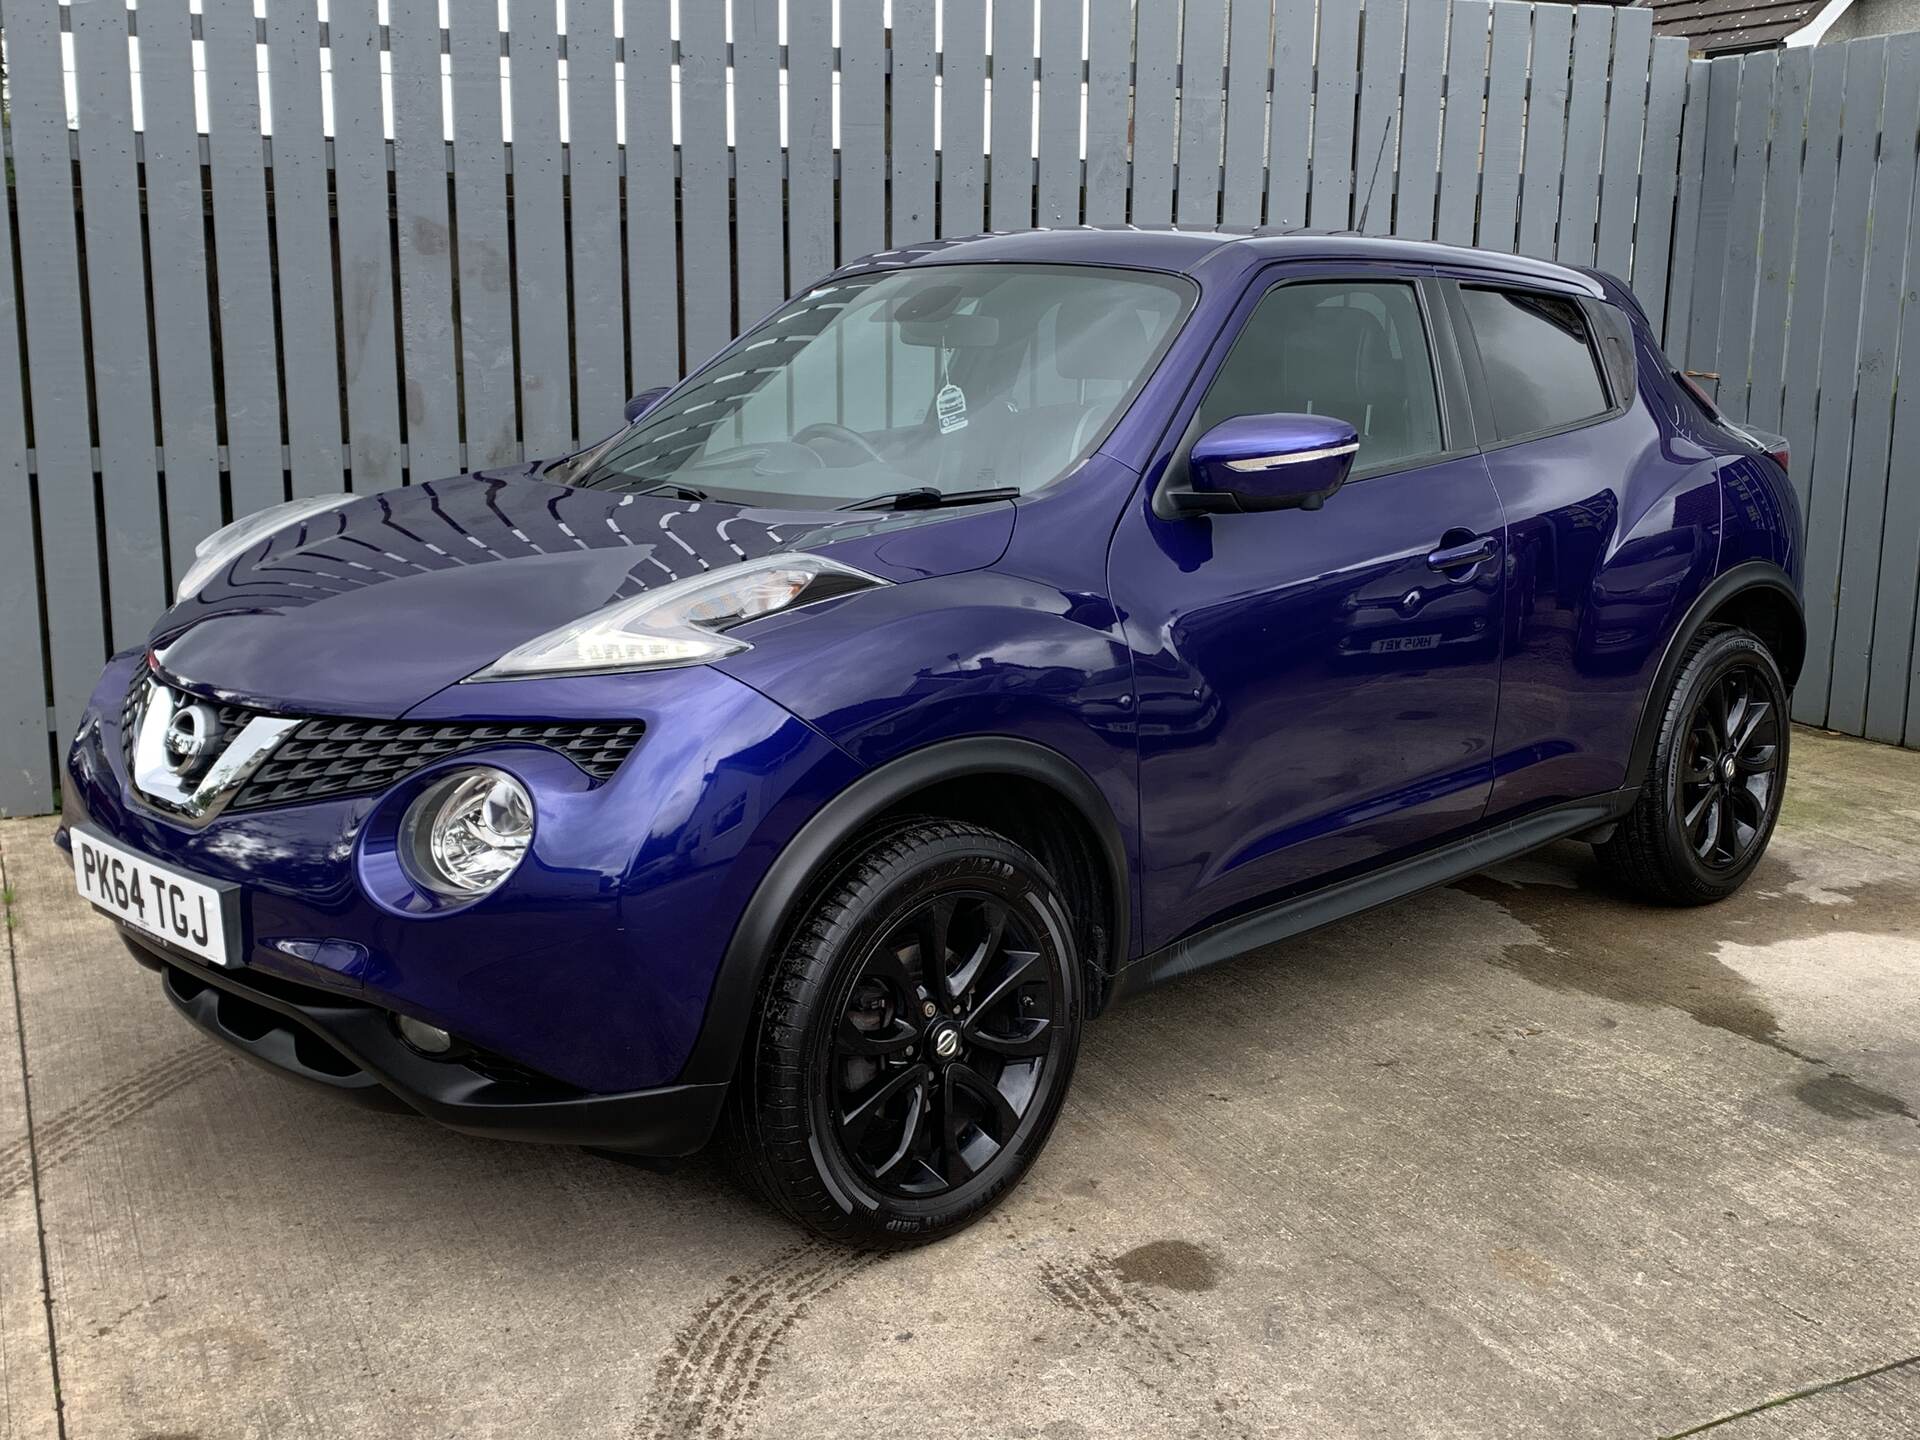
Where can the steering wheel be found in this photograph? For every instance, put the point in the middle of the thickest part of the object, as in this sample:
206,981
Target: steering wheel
828,430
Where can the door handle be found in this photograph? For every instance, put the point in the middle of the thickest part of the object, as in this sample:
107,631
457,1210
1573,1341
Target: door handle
1466,553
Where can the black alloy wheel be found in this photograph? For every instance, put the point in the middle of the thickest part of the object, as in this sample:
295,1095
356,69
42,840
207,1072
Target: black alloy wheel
1729,768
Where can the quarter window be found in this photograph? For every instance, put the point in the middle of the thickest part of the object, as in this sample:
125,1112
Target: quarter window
1352,350
1537,354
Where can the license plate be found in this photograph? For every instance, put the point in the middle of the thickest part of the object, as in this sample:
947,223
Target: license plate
197,916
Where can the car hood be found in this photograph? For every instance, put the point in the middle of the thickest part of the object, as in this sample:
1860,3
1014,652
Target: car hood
369,609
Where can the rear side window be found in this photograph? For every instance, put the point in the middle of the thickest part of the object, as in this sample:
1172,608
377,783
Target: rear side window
1538,355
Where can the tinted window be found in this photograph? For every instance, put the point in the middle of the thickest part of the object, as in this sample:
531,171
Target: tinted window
1356,351
1538,358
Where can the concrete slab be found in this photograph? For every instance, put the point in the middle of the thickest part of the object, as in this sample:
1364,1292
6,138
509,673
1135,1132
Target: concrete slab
1513,1158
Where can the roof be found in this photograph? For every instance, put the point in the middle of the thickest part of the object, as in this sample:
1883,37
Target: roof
1204,253
1722,27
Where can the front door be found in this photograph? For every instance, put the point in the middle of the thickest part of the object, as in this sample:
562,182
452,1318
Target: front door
1316,690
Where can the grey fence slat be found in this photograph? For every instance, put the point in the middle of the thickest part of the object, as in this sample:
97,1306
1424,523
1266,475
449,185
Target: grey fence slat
1626,125
1740,266
912,101
366,246
1812,248
653,245
485,274
810,232
1506,125
1716,205
1893,675
1377,141
963,110
176,231
863,129
1249,52
706,255
117,311
1059,113
303,251
1774,290
539,232
1336,75
1290,115
1010,136
1877,371
1414,195
1686,209
1461,128
756,151
593,189
425,289
1156,43
1202,111
1839,374
1545,150
1586,134
1654,230
249,350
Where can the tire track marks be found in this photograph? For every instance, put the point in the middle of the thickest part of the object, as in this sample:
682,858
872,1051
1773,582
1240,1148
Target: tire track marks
1096,1290
66,1134
708,1380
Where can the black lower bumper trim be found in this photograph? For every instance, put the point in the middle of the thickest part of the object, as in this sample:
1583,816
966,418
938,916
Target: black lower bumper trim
351,1049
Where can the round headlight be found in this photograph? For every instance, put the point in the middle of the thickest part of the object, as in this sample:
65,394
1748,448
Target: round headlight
466,834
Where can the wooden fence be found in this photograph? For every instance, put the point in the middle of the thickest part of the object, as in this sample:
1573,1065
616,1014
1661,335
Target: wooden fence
222,300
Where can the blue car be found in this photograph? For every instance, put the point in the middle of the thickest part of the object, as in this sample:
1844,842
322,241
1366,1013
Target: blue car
999,629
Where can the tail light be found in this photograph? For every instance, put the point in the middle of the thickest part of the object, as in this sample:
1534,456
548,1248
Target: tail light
1779,455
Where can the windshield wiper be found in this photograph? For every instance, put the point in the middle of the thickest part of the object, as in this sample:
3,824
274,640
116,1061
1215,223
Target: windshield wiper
927,497
673,487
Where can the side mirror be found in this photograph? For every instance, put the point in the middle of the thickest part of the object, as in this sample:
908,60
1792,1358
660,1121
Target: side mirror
645,401
1267,462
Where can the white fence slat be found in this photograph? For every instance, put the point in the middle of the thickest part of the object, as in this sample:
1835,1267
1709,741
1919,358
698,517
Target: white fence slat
1249,53
1336,75
1419,173
182,304
1506,126
1654,228
1059,150
1461,126
1775,290
1203,54
963,112
249,350
1586,134
1545,151
1156,44
1377,142
1839,374
1876,369
117,312
539,232
366,246
912,101
653,240
303,251
485,274
1010,133
1290,113
425,238
593,203
1740,266
863,129
1626,129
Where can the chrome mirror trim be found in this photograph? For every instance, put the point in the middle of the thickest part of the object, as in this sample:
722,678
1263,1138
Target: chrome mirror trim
1298,457
156,780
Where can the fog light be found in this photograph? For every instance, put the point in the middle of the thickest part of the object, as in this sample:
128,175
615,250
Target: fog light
467,834
427,1039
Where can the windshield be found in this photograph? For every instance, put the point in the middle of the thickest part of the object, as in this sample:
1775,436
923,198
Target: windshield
953,378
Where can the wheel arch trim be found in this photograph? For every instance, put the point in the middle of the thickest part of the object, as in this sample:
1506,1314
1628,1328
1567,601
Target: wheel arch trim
736,984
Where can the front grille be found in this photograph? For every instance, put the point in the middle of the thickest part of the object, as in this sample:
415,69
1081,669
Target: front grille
324,759
232,719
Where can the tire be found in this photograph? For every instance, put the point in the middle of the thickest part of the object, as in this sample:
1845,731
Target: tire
879,1102
1711,795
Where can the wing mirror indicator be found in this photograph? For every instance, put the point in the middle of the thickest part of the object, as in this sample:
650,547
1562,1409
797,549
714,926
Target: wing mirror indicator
1267,462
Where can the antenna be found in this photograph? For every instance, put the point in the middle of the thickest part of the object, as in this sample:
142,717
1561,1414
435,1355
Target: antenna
1379,154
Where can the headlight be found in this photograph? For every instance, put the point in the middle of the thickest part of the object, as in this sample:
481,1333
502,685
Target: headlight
681,623
467,834
228,542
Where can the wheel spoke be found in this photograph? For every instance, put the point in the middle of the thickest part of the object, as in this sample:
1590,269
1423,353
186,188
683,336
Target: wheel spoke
1703,847
1024,967
867,1108
932,926
917,1106
1723,828
1031,1041
1005,1119
1759,761
1751,720
1699,769
1748,808
895,1033
1692,817
962,980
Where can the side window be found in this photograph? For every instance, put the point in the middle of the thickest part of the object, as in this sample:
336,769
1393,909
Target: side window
1538,355
1356,350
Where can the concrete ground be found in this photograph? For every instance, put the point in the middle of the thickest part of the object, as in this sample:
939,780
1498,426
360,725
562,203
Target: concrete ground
1515,1158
